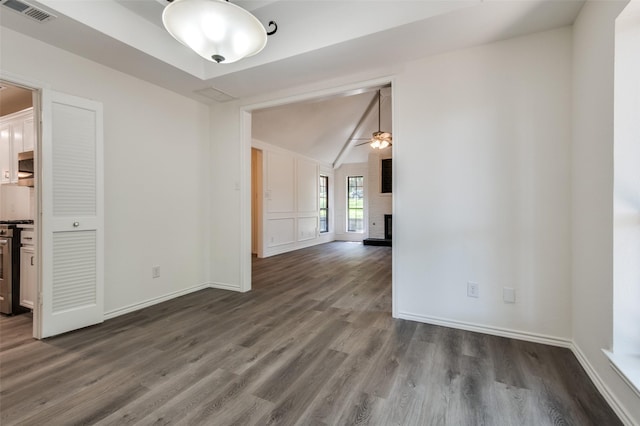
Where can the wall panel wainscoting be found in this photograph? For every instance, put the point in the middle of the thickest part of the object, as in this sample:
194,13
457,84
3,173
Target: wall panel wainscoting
312,343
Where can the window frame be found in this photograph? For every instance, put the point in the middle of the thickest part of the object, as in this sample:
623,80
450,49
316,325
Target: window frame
325,179
350,189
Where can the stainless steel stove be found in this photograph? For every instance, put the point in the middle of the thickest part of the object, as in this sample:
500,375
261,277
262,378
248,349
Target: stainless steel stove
10,266
17,222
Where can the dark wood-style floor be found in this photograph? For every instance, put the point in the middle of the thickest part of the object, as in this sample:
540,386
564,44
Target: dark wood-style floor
314,343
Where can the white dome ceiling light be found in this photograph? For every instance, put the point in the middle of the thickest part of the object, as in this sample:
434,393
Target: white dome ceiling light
217,30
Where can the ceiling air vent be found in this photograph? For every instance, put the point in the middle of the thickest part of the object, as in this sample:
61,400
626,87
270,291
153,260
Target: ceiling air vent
215,94
28,10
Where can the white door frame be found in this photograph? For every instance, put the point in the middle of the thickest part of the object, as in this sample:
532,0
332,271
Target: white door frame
245,167
36,87
60,311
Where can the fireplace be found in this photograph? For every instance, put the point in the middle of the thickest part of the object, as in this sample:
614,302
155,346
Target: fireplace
387,226
386,241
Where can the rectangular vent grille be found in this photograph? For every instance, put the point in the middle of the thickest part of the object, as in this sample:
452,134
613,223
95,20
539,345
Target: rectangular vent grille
215,94
28,10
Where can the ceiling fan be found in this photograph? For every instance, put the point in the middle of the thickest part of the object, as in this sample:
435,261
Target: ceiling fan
380,139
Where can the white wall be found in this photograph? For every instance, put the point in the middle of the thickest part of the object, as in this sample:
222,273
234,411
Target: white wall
226,213
626,204
592,197
15,202
290,207
483,185
482,191
156,172
379,203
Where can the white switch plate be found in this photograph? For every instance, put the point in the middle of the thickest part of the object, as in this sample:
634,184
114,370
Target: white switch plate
508,295
155,272
473,289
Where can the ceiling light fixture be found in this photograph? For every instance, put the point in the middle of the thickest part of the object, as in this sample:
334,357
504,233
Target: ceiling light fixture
380,140
217,30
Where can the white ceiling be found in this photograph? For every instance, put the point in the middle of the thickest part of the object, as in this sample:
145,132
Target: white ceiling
326,128
13,99
316,40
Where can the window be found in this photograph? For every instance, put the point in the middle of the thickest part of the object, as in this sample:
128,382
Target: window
386,184
324,203
355,204
625,353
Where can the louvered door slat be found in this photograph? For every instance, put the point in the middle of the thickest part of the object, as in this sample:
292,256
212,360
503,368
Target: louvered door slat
72,217
74,270
74,162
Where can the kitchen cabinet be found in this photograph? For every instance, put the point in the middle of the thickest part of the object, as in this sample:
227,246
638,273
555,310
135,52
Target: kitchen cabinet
27,267
27,276
28,135
17,134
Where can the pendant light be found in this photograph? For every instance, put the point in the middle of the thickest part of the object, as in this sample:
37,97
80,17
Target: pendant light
217,30
380,140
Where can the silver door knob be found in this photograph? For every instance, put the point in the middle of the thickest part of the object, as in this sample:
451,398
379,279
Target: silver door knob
76,224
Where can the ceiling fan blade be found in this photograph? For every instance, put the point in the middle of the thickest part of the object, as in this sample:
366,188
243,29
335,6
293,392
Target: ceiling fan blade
366,142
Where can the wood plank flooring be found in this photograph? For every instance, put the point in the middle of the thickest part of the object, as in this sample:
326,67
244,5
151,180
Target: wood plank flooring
313,344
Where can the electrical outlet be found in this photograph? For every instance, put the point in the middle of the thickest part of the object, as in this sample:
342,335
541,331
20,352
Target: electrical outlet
473,289
508,295
155,272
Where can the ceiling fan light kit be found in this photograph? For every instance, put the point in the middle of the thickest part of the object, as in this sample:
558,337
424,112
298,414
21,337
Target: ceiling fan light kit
380,139
217,30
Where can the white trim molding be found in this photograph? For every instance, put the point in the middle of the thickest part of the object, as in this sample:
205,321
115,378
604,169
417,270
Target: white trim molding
495,331
604,390
230,287
627,367
153,301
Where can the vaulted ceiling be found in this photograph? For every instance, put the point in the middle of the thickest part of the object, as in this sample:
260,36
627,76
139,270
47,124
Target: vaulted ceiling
316,40
332,131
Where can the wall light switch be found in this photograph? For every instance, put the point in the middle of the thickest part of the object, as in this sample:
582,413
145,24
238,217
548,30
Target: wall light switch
473,289
508,295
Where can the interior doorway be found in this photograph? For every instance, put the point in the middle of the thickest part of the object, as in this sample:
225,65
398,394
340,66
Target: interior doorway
19,134
67,222
284,224
256,202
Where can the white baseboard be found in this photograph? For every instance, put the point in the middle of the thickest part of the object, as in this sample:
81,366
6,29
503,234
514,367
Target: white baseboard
495,331
297,245
153,301
604,390
224,286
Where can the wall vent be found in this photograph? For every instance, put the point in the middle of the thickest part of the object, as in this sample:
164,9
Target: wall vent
215,94
28,10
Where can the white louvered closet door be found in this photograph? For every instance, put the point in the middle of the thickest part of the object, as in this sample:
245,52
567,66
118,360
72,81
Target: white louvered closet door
72,213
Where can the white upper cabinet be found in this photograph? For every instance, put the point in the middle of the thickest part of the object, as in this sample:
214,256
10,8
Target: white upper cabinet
28,135
17,134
